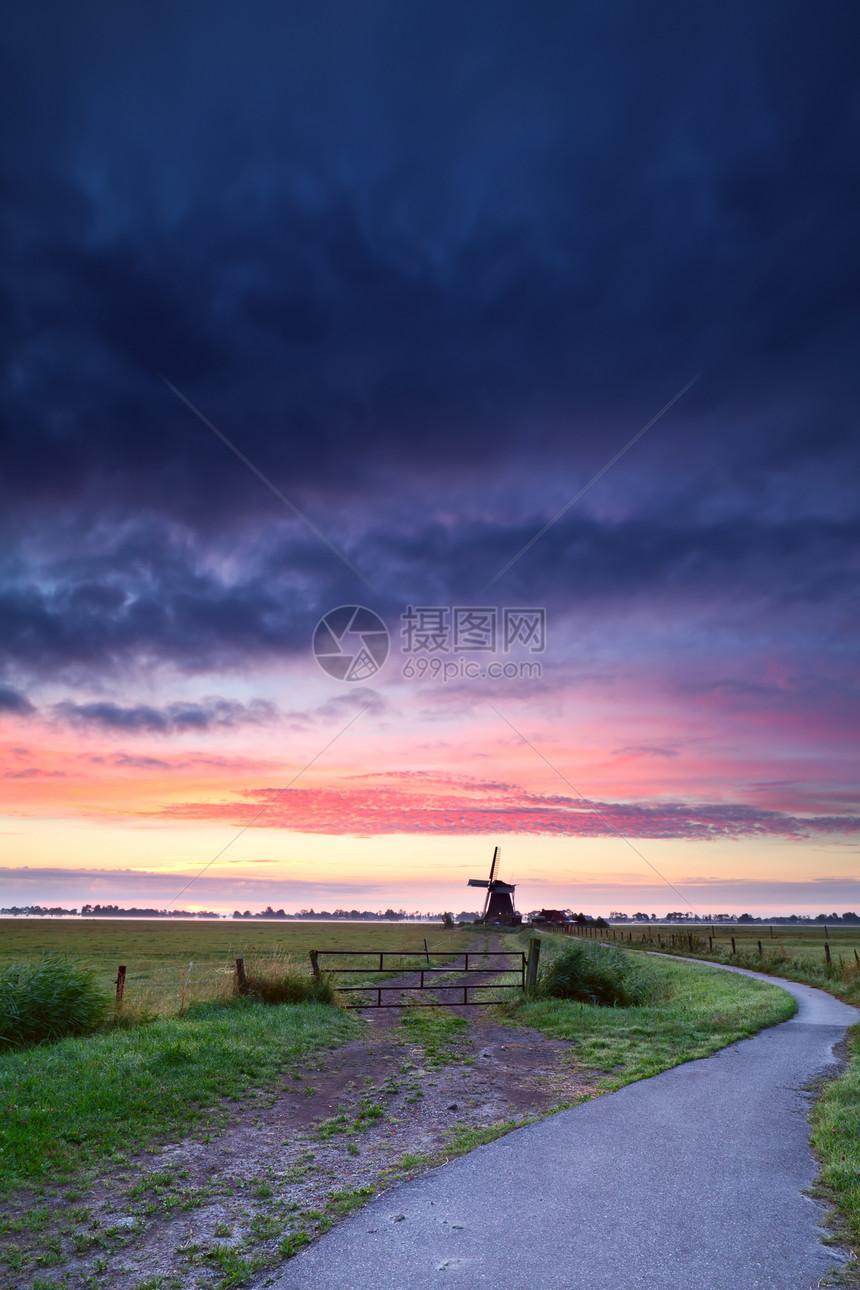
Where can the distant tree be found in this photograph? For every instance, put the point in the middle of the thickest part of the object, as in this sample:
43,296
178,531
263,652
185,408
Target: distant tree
746,918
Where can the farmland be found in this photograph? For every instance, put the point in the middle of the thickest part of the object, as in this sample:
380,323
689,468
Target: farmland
171,964
799,953
264,1124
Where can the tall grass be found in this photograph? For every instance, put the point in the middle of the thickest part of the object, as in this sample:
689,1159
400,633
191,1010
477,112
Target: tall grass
47,999
599,974
279,979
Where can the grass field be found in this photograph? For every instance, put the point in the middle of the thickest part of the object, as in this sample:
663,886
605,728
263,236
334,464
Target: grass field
93,1103
799,953
100,1096
66,1105
172,964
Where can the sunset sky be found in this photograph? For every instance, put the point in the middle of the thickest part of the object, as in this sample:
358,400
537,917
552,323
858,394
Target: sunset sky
429,268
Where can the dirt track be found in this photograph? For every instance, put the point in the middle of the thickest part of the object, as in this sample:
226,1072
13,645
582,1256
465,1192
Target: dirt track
365,1115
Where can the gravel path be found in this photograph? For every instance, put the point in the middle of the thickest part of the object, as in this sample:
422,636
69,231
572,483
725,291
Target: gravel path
691,1180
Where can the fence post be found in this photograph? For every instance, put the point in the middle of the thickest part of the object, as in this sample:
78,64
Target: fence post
827,954
856,957
240,975
120,985
315,965
532,965
710,944
734,951
426,951
760,950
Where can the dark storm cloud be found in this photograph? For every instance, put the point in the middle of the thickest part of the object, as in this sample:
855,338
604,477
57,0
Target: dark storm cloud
173,718
12,701
384,236
143,597
138,594
384,249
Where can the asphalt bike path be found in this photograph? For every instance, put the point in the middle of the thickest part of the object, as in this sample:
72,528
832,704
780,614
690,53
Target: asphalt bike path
691,1180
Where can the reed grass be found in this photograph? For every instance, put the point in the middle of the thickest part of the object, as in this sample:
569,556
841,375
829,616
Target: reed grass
44,1000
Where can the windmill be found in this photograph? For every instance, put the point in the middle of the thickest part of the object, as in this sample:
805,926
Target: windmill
499,904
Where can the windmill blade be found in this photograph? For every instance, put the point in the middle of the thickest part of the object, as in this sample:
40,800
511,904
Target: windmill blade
477,882
495,860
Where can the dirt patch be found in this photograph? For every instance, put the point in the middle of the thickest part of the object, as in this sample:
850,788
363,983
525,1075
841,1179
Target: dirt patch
290,1163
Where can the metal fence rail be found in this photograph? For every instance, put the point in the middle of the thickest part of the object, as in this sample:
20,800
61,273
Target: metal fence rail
516,963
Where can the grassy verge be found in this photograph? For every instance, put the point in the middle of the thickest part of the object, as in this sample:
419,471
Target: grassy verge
836,1138
795,962
701,1011
69,1105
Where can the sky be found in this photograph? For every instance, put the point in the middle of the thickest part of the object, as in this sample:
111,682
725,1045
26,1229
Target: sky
530,332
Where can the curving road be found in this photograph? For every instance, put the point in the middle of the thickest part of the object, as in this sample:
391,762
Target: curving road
691,1180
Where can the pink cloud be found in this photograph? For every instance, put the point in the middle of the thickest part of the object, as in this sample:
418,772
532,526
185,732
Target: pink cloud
496,808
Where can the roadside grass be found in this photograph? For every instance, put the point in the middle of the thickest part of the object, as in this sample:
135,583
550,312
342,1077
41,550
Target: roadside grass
799,954
601,974
68,1105
836,1138
701,1010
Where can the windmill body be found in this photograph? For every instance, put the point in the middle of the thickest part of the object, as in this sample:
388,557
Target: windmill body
499,903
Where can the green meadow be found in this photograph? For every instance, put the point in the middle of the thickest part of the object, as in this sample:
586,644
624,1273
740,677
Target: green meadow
171,964
186,1053
798,953
184,1046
